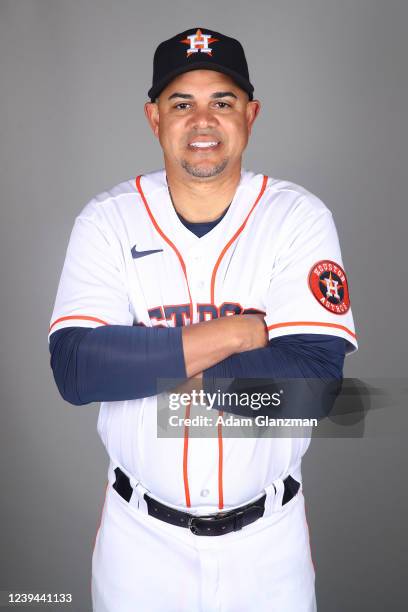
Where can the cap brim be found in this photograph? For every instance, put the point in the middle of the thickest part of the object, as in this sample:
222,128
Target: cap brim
243,83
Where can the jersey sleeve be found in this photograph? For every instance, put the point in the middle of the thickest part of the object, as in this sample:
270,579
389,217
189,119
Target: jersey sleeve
91,291
308,291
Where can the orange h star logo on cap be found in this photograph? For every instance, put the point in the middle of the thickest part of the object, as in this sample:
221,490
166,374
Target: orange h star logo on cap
199,42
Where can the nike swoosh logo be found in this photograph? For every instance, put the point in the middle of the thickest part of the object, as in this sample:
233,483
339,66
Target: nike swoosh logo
137,254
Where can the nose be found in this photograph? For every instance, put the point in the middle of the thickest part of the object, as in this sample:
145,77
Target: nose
203,118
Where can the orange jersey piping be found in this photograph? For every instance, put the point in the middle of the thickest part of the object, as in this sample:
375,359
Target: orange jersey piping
234,237
185,460
166,239
213,277
79,317
220,465
313,324
183,267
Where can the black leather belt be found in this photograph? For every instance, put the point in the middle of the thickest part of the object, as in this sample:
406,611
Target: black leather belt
206,525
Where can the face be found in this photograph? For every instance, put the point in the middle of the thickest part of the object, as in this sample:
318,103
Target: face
203,121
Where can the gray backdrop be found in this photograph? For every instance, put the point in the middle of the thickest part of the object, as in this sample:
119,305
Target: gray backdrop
74,76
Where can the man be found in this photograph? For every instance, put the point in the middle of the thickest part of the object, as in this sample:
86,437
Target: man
209,271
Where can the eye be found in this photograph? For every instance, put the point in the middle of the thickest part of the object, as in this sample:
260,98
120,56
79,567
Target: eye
181,106
223,104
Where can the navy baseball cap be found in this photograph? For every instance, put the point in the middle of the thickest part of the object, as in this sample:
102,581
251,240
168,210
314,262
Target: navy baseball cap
195,49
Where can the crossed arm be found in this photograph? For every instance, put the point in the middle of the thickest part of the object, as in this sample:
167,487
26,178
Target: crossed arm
115,362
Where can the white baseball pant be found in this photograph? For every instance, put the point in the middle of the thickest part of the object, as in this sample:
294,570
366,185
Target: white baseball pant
142,564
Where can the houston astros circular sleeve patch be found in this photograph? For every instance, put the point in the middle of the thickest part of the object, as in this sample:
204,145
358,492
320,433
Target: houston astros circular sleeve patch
328,283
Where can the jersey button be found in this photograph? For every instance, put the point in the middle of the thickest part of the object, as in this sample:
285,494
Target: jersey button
200,285
204,493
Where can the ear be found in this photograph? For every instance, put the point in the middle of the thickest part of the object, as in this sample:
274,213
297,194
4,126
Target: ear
152,115
252,111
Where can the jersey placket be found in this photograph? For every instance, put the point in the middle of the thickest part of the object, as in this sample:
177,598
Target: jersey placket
201,486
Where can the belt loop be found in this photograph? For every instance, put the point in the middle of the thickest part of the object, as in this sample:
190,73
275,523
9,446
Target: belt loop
276,504
270,497
138,499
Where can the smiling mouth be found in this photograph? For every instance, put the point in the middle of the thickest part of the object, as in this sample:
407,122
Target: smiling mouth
204,146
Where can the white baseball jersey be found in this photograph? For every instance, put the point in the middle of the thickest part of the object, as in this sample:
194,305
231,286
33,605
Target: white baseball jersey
276,250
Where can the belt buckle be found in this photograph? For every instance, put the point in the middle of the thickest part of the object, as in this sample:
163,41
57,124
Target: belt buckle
193,521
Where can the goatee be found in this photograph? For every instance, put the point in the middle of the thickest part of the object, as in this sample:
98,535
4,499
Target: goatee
202,171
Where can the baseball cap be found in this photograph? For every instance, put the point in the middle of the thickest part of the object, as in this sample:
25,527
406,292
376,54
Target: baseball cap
199,48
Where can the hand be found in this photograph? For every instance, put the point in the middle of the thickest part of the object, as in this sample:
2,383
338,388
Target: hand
209,342
251,331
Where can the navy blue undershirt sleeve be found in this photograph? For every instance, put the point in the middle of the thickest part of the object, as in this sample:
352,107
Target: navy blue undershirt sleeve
292,356
114,362
315,360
